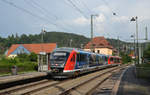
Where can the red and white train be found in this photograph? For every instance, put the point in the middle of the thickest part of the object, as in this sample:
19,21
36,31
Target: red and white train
69,62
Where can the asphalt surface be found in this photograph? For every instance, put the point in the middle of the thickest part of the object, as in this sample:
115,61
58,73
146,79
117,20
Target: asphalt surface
130,85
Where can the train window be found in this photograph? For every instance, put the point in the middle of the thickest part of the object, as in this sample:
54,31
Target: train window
97,58
111,59
100,59
59,56
92,58
81,57
73,58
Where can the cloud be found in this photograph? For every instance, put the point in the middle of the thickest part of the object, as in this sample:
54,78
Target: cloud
102,9
120,19
100,18
81,21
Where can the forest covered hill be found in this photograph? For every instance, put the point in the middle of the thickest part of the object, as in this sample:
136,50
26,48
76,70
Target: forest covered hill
62,39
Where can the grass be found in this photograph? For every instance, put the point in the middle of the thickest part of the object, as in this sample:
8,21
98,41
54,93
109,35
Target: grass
143,71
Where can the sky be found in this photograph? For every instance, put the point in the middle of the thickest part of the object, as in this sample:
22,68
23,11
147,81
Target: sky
74,16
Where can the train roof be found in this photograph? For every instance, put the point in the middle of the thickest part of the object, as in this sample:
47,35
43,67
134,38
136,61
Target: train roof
66,49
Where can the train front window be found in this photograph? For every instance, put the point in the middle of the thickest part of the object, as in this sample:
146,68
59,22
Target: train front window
59,56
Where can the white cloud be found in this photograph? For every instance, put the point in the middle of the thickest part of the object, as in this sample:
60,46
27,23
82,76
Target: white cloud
81,21
100,18
102,9
120,19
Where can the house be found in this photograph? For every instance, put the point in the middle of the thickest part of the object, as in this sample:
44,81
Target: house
16,49
99,45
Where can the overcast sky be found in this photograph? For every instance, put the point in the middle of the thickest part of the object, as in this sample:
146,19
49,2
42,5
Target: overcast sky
73,16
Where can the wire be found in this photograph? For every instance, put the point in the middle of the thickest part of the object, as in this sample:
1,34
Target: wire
30,13
83,3
38,5
78,9
106,3
52,15
26,1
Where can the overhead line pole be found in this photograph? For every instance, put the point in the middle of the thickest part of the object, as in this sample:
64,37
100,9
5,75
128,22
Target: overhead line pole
92,32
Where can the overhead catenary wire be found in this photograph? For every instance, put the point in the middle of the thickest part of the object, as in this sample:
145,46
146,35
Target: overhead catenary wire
78,9
29,3
32,14
113,13
84,5
44,10
106,3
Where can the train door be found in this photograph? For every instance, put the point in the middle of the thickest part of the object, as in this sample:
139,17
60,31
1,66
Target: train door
70,64
82,60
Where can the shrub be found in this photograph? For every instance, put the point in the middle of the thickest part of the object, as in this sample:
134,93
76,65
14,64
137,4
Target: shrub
24,62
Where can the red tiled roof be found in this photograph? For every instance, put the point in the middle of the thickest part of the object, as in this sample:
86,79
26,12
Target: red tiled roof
12,48
36,48
98,42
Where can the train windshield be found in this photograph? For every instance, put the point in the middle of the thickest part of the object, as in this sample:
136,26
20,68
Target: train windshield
59,56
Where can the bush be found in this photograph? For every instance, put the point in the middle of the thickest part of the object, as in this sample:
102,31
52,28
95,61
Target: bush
143,71
33,57
125,58
24,62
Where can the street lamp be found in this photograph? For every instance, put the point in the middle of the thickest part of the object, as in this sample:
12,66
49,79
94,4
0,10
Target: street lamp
133,36
92,30
137,46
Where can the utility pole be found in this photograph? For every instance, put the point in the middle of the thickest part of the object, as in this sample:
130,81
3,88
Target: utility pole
92,32
137,45
146,37
71,42
146,34
118,46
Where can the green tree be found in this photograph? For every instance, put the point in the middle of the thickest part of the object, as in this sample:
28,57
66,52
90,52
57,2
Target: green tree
33,57
125,57
147,53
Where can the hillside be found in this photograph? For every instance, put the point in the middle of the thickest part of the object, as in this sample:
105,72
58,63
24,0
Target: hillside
62,39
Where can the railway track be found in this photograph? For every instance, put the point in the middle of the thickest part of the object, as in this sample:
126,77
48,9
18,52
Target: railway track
88,86
29,88
83,85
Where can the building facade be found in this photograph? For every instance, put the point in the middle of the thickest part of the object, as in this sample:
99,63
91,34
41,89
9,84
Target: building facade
99,45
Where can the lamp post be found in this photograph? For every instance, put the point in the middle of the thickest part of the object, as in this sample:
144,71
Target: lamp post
92,30
137,46
133,36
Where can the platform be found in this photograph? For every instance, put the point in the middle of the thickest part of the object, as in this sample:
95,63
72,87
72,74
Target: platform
131,85
13,78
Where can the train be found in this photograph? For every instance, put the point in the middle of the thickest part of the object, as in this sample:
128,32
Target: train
70,62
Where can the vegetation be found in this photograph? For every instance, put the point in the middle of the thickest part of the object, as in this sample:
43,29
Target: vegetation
23,62
62,39
125,58
147,54
143,71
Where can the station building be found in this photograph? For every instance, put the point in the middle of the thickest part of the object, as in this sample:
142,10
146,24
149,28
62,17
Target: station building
99,45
